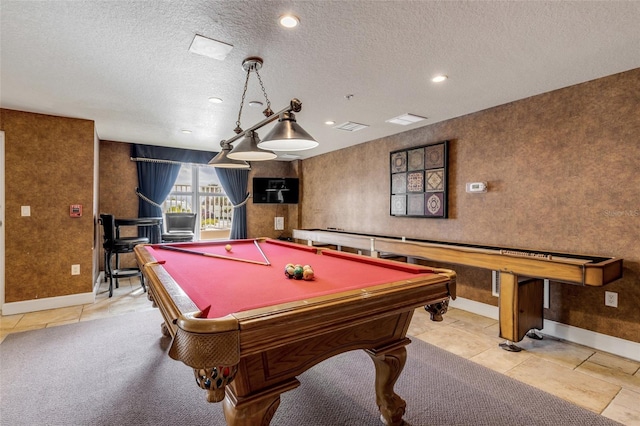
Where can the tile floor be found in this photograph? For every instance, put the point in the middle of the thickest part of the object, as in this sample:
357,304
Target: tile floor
597,381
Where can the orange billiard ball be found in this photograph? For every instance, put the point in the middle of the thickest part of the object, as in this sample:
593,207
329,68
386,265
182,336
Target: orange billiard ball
228,247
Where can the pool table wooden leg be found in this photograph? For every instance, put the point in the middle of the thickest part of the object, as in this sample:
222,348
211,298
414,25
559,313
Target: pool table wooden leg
257,409
389,362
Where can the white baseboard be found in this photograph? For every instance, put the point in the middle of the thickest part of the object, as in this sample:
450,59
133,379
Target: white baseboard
592,339
47,303
52,302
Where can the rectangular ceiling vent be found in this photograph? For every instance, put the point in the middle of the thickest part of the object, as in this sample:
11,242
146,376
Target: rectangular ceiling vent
210,48
406,119
350,126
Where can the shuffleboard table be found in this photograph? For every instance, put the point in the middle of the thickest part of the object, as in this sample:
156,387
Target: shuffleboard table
248,330
520,270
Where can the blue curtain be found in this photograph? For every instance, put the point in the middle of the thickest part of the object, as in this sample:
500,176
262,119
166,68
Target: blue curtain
158,169
235,182
155,181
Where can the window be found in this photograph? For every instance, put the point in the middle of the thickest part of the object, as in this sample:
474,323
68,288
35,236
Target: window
198,190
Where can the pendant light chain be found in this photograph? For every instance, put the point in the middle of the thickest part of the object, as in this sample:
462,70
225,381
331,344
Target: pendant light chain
268,112
238,129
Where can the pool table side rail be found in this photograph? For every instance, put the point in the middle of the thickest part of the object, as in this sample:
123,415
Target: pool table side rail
264,329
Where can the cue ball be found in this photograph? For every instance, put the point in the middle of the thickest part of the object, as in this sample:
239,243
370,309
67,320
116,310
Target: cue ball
227,247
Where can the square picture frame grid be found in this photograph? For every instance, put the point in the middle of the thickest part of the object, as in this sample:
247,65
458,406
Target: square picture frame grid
419,181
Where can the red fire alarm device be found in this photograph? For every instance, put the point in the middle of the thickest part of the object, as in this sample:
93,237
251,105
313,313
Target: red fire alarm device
75,210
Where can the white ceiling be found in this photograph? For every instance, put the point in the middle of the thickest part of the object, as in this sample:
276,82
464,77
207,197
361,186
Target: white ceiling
127,66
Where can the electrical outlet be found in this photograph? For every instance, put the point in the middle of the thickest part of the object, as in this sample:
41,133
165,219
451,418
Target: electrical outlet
279,223
75,269
611,299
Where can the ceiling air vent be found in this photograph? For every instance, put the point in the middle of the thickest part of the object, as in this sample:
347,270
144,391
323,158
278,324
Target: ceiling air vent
406,119
350,126
210,48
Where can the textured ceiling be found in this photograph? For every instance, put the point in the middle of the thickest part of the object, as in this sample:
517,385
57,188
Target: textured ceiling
127,66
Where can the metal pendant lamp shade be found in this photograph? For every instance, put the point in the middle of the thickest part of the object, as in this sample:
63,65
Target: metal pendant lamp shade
287,135
222,160
247,149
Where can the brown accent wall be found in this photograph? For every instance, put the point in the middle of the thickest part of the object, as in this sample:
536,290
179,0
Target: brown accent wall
563,170
49,166
117,193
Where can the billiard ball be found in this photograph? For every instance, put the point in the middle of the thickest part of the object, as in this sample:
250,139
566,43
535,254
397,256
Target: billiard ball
228,247
298,272
307,274
289,271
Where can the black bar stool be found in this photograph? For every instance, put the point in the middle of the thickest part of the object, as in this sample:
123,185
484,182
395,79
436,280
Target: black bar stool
115,246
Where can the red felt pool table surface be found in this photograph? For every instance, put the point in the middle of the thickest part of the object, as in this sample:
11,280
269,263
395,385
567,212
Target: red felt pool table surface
221,286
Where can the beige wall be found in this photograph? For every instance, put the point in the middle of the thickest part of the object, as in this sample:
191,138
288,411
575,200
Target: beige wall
563,171
49,166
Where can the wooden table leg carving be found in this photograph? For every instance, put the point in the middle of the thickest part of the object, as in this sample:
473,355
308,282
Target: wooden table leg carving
437,310
257,409
164,328
214,380
389,362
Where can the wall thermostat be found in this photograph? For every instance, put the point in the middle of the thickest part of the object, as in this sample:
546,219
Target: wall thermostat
477,187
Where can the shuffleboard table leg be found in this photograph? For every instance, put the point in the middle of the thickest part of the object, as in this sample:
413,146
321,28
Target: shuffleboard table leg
533,334
510,346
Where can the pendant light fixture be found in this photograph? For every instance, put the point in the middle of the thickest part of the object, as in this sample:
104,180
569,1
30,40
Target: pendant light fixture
247,149
287,134
223,161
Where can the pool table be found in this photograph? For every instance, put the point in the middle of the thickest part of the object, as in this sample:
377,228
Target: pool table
248,330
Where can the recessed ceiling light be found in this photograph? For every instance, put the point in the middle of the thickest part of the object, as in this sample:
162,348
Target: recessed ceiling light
255,104
439,78
289,21
330,122
186,131
215,100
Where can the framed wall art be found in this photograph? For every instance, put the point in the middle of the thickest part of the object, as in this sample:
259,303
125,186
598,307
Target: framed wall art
419,181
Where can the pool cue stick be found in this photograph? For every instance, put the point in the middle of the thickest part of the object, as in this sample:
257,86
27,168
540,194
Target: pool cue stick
219,256
261,252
